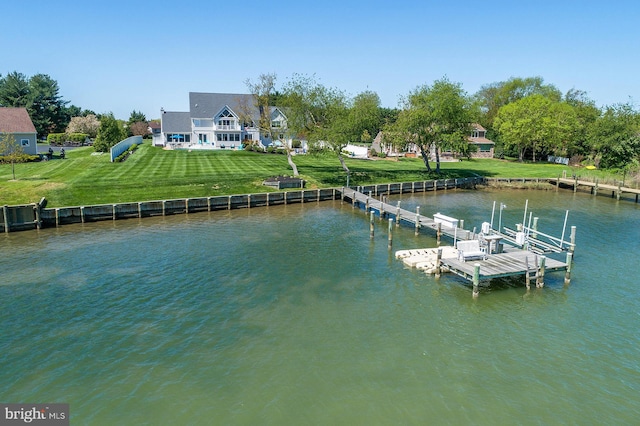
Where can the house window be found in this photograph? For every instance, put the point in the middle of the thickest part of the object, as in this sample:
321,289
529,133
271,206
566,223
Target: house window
24,142
196,122
202,137
276,123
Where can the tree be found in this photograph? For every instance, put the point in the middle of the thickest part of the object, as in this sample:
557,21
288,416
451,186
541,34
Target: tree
364,117
536,123
140,128
615,137
317,113
46,107
586,114
137,117
40,95
88,125
14,90
11,151
438,116
494,96
264,92
110,133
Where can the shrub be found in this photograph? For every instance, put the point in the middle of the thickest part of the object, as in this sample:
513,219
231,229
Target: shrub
77,137
56,138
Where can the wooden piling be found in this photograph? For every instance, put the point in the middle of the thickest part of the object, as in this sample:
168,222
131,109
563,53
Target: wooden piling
438,259
476,280
527,273
575,183
417,220
390,232
438,233
5,214
398,214
371,225
567,275
595,187
82,214
572,239
36,209
540,277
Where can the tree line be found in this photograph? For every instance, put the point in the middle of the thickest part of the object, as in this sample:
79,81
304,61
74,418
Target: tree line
527,118
51,114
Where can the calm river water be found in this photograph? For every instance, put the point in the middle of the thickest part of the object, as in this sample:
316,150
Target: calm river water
293,315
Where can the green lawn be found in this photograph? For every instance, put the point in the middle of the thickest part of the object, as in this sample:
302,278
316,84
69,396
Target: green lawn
154,174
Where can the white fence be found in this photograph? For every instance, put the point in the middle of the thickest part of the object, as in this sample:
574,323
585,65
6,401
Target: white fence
124,145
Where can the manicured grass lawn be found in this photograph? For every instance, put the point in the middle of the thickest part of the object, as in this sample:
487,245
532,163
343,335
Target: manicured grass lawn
155,174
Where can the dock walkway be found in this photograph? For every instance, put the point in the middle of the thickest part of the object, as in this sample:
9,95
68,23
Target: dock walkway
414,219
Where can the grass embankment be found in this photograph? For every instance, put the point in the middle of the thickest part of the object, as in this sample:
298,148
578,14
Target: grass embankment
155,174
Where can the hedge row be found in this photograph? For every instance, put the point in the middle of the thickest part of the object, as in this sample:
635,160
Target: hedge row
66,137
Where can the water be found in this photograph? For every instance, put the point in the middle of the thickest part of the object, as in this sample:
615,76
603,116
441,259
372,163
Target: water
292,315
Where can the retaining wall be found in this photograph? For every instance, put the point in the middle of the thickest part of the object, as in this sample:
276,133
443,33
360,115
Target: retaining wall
34,215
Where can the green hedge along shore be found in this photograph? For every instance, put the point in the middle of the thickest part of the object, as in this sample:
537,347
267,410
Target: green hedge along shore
151,173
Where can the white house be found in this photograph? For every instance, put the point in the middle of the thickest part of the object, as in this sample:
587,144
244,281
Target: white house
17,122
219,121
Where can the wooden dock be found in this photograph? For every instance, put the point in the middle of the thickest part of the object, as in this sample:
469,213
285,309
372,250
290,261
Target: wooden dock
594,187
510,263
414,219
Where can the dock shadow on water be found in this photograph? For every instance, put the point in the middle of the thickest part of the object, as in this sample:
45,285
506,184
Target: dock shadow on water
293,314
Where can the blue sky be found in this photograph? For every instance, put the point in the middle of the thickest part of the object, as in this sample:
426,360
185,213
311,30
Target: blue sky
121,56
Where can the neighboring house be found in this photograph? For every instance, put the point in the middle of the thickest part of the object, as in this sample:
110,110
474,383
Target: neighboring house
479,139
154,130
220,121
17,122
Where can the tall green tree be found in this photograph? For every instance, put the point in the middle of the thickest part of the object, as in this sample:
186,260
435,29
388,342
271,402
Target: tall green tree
586,113
11,151
40,95
536,124
364,117
491,97
438,116
14,90
46,106
615,137
136,117
110,132
317,113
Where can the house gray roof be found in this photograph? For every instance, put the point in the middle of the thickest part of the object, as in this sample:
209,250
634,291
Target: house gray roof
208,105
15,120
176,122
